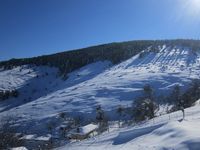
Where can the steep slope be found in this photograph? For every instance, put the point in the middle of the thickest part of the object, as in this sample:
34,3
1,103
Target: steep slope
31,82
161,133
99,83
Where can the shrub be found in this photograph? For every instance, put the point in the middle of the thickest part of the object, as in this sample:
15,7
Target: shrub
7,94
8,137
144,109
102,120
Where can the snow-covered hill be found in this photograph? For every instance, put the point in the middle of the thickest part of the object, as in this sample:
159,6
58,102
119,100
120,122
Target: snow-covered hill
168,132
43,94
31,82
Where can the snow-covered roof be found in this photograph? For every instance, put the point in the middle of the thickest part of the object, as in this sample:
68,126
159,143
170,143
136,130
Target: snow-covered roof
34,137
85,129
29,137
43,138
19,148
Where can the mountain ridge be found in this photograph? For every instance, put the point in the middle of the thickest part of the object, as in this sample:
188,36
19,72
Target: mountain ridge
115,52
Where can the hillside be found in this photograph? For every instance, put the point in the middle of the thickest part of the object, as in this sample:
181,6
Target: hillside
157,134
44,90
115,52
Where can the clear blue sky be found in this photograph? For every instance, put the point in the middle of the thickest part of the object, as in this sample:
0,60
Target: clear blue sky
36,27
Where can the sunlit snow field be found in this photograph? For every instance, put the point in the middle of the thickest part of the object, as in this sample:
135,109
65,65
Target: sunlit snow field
43,94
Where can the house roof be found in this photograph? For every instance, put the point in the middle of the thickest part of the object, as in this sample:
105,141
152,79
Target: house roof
85,129
19,148
34,137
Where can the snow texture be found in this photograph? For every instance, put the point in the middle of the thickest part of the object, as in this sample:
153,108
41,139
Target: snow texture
43,94
19,148
161,133
85,129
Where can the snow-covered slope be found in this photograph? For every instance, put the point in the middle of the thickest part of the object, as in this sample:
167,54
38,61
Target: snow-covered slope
98,83
32,82
168,132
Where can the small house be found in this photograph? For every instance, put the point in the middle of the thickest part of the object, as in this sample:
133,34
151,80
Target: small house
83,132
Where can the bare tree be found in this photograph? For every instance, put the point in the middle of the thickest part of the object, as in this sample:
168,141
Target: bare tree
120,111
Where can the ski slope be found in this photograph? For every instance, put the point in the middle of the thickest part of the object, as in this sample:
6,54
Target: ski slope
168,132
42,97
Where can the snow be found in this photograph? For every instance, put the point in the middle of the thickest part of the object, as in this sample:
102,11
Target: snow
29,137
44,97
34,137
19,148
88,128
31,82
85,129
157,134
43,138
